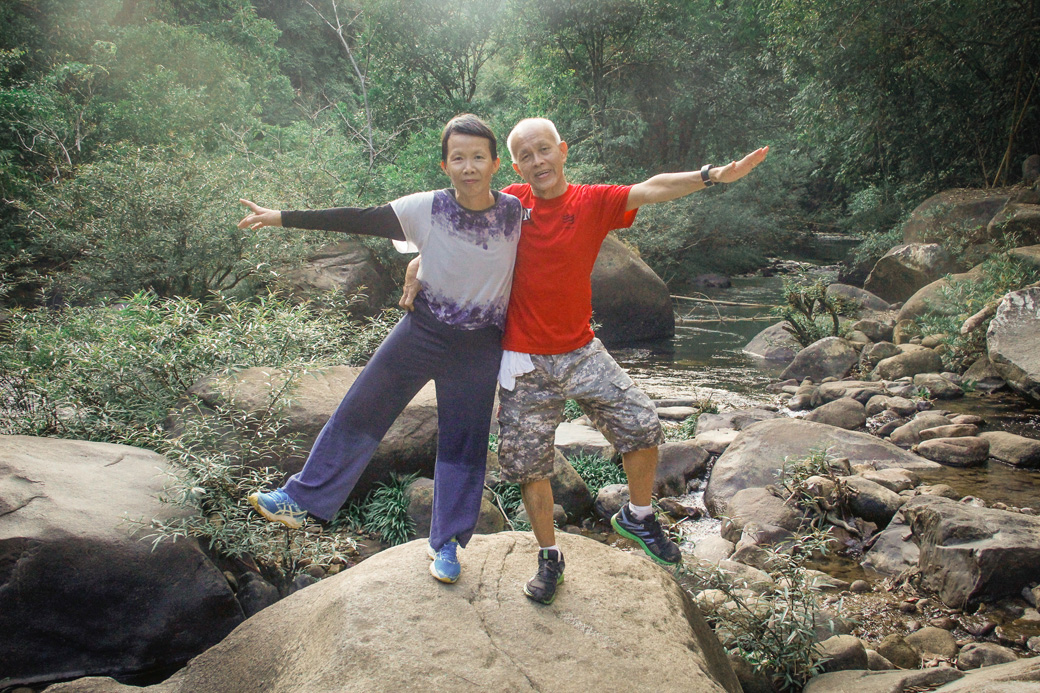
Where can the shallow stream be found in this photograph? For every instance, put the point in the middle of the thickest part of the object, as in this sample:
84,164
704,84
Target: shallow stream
704,360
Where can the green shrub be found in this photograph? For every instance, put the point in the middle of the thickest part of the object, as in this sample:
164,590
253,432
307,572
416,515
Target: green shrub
774,632
510,501
1001,273
572,410
113,372
809,312
385,511
213,488
597,472
688,428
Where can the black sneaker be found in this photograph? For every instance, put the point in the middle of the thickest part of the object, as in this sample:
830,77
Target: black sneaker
648,534
542,587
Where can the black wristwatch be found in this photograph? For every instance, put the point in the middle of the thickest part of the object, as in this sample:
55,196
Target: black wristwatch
705,178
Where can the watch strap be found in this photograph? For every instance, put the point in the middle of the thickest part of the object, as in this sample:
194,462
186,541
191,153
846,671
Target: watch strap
705,178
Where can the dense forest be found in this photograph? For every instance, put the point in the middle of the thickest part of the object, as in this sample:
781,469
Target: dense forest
129,128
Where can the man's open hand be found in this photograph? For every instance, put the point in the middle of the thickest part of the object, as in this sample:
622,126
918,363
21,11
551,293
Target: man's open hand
735,170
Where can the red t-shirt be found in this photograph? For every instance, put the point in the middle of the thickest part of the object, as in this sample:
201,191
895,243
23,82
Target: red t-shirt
551,303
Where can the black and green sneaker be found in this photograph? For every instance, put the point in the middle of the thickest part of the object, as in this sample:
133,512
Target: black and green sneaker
542,587
648,534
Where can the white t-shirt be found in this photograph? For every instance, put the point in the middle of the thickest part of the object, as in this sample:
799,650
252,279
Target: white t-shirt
467,256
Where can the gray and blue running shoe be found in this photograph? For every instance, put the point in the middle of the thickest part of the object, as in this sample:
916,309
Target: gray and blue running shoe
445,566
277,506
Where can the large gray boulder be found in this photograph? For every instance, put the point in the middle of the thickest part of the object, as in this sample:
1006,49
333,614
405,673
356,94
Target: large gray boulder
960,212
575,438
774,344
678,462
733,420
893,551
1022,676
630,301
1012,338
844,413
970,553
409,446
758,453
1020,221
872,501
906,268
827,357
385,625
1016,450
861,681
940,296
569,489
913,360
348,267
82,591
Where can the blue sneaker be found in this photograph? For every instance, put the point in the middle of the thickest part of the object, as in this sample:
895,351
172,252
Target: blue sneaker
445,566
277,506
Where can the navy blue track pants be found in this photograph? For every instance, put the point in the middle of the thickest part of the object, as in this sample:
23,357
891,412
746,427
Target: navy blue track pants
464,367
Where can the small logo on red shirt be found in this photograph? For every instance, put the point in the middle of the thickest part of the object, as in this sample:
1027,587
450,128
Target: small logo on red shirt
568,220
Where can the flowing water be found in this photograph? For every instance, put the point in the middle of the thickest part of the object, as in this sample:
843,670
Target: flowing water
704,361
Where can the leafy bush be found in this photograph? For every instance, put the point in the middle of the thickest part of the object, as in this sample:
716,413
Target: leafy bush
385,511
112,372
688,428
597,472
213,487
809,312
773,632
1001,274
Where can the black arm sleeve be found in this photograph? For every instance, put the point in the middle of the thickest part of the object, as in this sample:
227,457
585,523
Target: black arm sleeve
368,221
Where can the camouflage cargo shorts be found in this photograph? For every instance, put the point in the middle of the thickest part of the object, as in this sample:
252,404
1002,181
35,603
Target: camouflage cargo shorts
529,414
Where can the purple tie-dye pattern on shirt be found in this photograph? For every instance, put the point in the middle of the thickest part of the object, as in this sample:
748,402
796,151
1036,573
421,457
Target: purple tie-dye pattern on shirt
499,224
469,316
479,228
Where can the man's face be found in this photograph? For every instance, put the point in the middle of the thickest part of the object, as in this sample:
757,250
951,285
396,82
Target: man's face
469,166
539,159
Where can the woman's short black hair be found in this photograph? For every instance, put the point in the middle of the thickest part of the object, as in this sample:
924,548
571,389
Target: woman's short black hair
468,124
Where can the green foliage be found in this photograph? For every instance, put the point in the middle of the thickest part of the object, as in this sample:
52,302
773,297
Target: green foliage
895,93
687,429
1000,274
111,373
385,511
572,410
213,488
810,313
510,501
597,472
775,631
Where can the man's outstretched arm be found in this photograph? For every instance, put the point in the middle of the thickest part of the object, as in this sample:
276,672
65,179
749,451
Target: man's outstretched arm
671,186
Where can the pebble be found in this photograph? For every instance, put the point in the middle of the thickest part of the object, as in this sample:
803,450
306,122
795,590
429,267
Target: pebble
944,622
860,586
908,607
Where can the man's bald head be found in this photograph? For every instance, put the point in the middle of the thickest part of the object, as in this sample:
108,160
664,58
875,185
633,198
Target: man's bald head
528,123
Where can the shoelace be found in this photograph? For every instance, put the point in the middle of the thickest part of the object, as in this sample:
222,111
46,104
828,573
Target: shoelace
448,552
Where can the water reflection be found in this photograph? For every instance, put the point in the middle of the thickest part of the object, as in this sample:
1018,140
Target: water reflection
704,359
